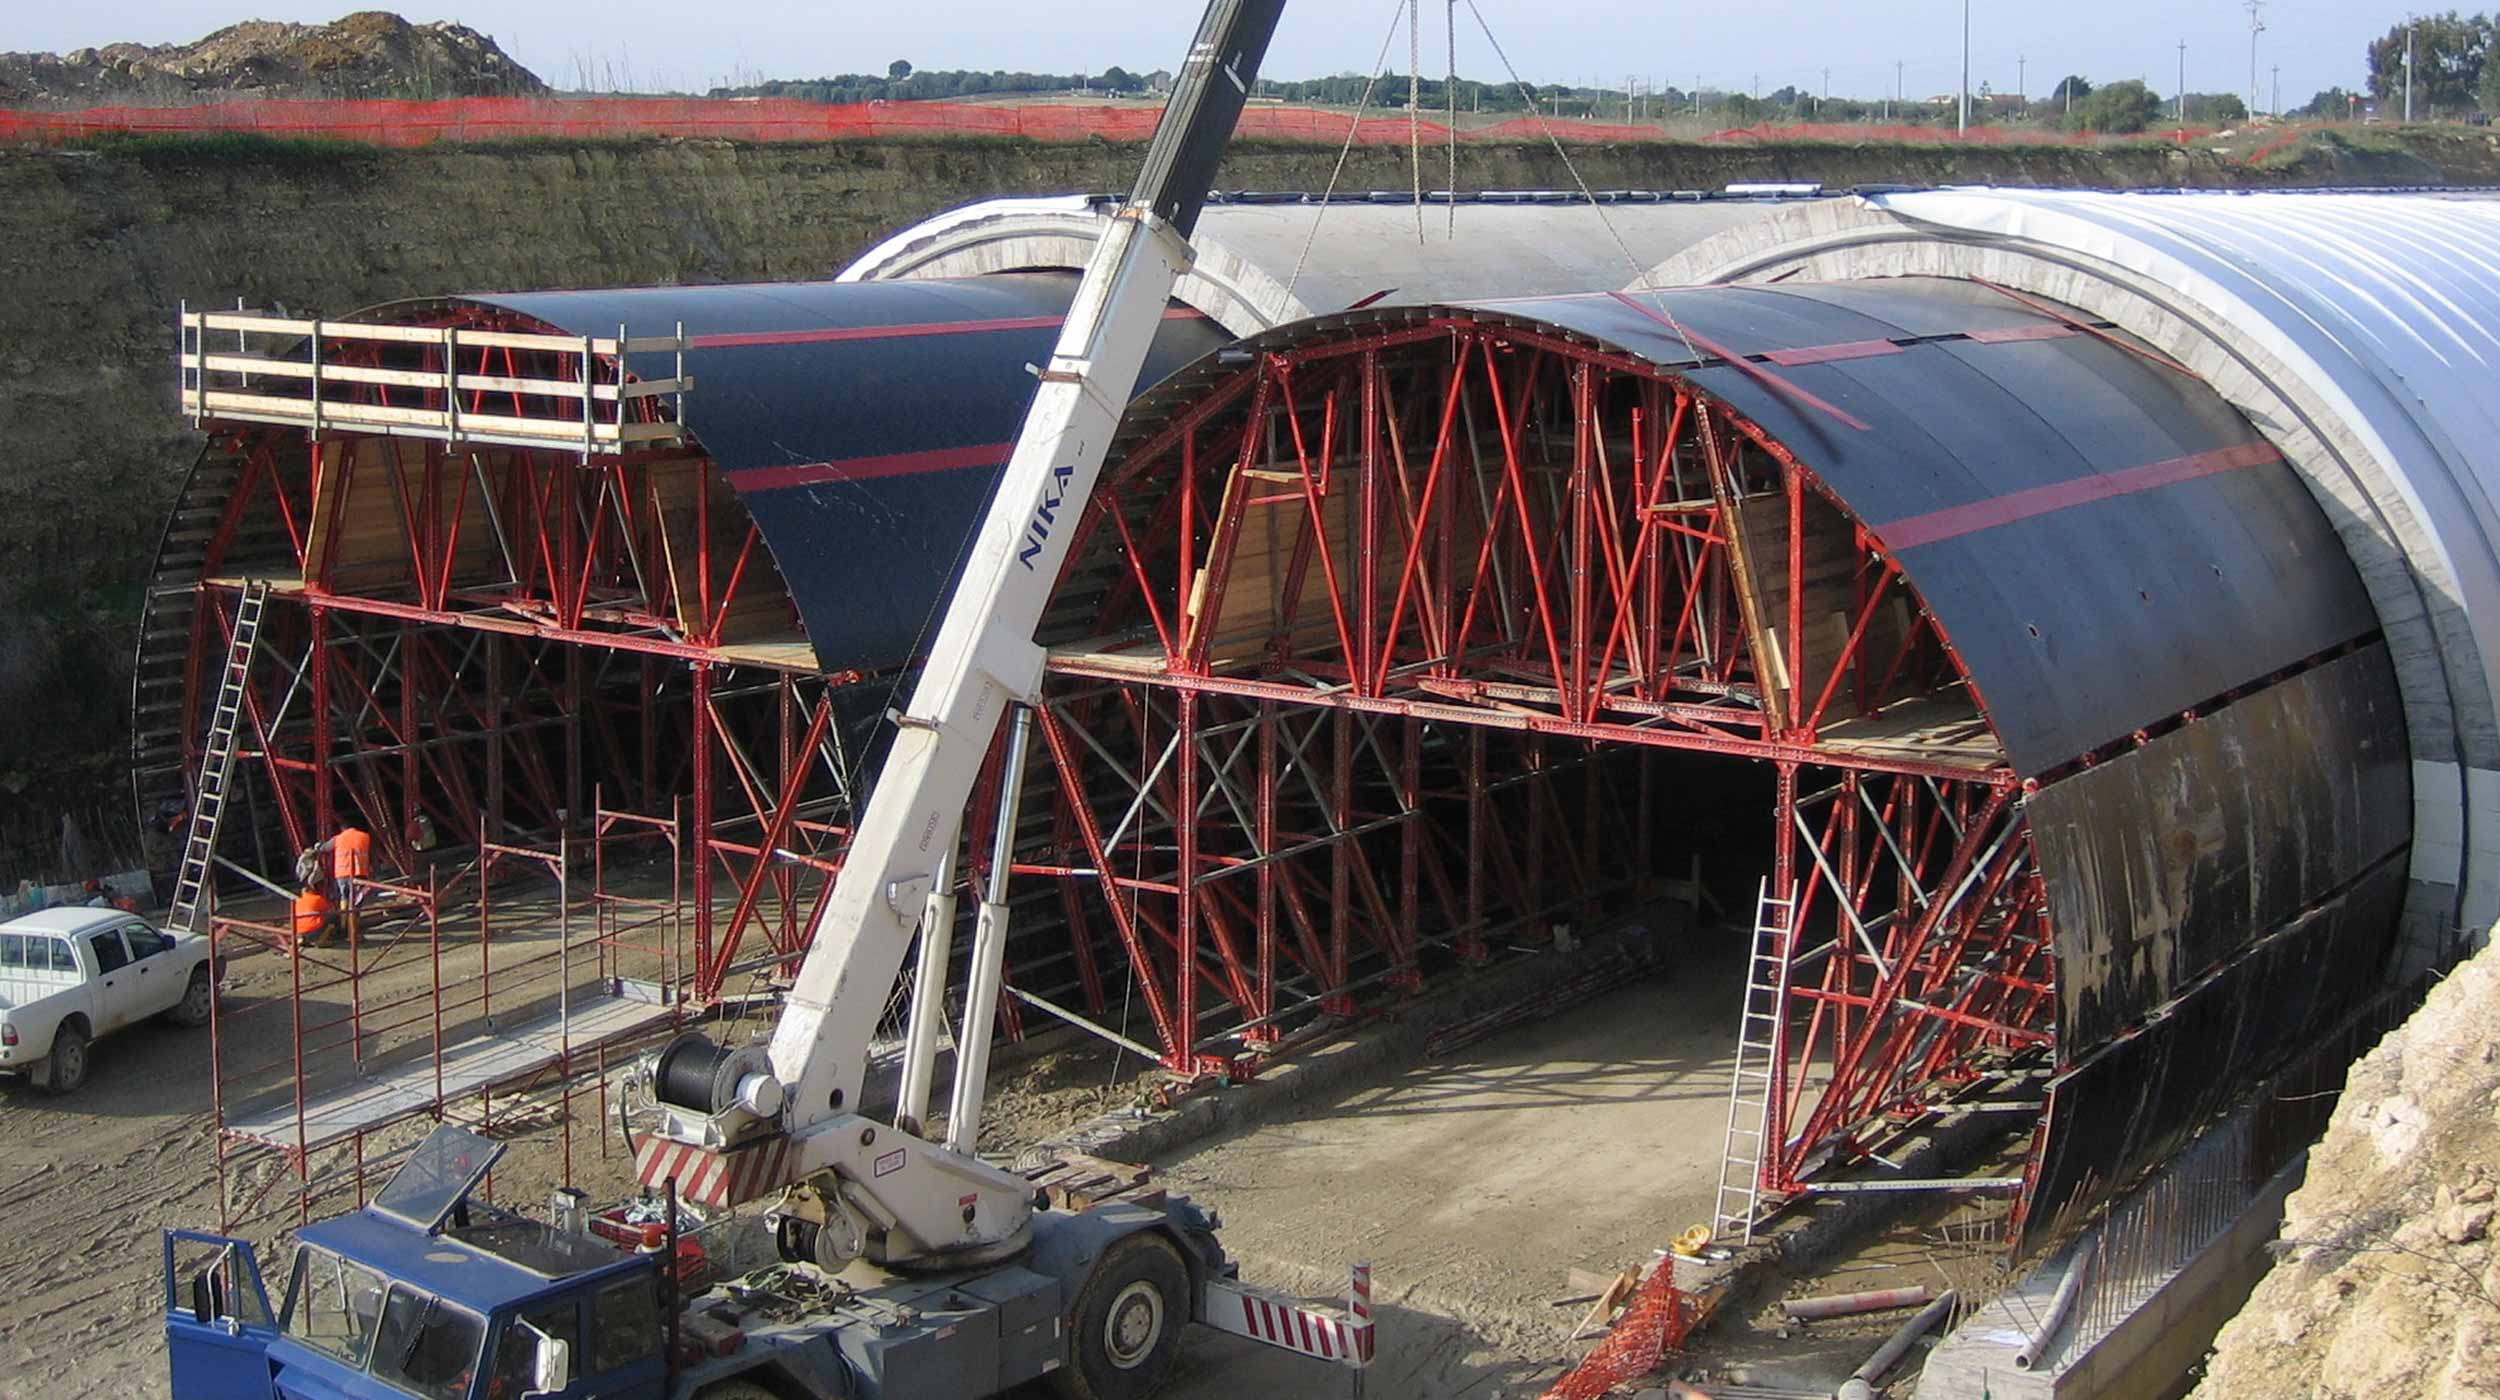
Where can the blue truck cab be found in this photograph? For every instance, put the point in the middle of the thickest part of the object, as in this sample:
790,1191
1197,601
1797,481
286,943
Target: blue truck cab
427,1294
422,1294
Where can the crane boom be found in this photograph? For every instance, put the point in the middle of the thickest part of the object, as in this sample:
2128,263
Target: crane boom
856,1186
985,658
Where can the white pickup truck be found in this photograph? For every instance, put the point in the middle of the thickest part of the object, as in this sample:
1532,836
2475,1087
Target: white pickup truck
68,976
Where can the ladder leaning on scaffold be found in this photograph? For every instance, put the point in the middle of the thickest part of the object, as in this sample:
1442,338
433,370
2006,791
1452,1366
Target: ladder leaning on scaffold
208,804
1749,1126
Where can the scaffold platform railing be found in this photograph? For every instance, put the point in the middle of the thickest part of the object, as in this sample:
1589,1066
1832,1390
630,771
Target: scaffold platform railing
453,384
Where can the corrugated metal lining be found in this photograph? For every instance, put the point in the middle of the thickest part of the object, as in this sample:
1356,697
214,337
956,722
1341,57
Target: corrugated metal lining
864,426
2082,616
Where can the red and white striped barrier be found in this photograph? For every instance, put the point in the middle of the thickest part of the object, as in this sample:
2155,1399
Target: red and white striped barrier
1340,1335
717,1179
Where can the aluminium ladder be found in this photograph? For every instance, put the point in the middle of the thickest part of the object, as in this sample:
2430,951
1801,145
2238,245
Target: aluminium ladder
199,849
1749,1126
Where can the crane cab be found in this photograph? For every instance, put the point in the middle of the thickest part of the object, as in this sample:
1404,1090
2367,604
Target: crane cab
426,1293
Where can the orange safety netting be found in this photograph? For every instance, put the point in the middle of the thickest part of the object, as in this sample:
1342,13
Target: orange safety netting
1655,1322
1860,132
473,119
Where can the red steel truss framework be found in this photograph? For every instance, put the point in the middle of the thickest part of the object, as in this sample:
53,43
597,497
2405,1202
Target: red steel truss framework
1340,595
1379,648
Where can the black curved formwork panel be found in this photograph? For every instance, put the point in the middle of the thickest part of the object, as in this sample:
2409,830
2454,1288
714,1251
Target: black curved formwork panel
864,424
2107,543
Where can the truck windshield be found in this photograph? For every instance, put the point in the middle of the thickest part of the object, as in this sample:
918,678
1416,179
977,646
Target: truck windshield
332,1305
425,1346
404,1336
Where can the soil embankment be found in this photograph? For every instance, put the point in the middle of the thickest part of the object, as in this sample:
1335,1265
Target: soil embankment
98,248
2387,1281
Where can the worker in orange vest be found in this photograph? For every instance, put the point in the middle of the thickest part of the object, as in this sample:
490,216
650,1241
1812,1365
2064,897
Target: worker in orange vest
351,858
314,923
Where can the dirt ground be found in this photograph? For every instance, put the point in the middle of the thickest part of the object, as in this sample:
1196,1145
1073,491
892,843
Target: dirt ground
1474,1184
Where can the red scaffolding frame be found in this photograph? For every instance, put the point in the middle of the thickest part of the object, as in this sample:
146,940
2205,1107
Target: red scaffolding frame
1449,534
1378,649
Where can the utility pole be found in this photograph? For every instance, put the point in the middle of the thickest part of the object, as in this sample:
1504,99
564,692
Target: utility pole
2022,86
1964,126
2276,106
2256,26
1697,93
1896,90
2182,90
2410,25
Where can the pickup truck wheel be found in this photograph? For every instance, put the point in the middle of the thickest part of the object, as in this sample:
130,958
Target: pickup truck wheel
192,1010
66,1067
1125,1329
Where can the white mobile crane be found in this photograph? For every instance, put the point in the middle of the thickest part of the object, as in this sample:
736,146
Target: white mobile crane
913,1268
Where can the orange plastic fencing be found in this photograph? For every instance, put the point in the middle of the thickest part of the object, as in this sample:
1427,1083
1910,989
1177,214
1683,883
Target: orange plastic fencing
1857,133
475,119
1655,1322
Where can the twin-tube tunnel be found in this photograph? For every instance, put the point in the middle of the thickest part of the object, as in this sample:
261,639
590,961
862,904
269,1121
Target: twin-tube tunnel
2157,521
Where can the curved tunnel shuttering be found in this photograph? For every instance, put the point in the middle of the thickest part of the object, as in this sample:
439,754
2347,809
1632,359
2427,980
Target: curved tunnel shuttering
2090,761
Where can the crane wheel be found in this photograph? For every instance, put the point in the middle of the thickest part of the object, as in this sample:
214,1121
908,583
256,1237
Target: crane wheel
1124,1331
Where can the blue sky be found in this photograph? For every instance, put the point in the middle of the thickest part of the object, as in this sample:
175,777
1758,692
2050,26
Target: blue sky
2317,42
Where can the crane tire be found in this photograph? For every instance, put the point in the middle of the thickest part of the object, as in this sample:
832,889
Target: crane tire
1124,1330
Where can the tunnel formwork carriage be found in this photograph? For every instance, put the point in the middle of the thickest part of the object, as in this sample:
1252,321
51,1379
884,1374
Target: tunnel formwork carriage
2061,731
2086,776
650,564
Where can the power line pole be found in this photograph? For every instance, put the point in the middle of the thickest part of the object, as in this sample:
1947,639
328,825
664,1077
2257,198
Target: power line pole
2256,26
2022,83
1964,127
1896,90
2277,104
2410,25
1696,94
2182,90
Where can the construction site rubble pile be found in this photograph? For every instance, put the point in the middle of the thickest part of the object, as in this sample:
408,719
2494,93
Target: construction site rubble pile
2387,1278
370,54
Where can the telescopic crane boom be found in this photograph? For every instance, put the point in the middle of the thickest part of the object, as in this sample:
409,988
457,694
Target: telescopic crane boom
856,1185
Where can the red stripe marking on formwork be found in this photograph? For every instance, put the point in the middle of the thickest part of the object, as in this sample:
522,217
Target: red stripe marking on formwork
1823,354
943,459
825,335
1912,531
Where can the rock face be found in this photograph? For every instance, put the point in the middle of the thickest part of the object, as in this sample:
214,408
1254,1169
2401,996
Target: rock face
2387,1282
368,54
